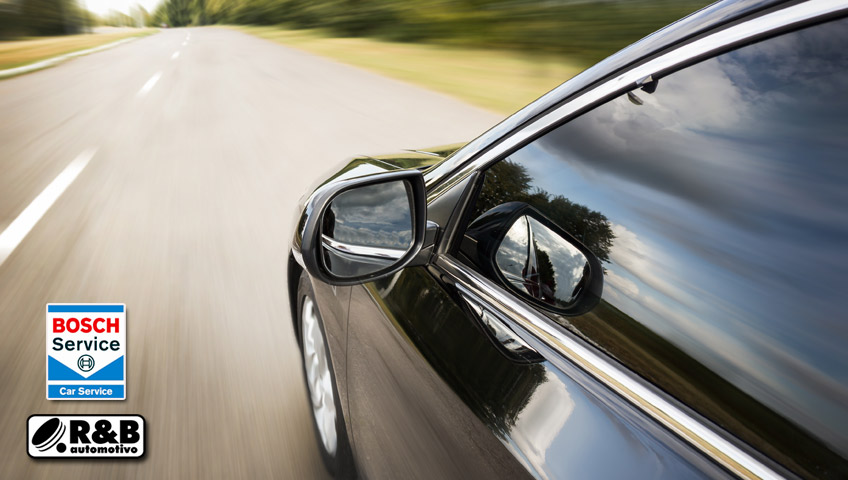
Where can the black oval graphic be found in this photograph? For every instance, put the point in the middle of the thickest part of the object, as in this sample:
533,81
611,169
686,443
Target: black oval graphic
48,434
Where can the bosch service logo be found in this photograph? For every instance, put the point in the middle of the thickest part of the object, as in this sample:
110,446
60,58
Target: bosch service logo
85,436
86,351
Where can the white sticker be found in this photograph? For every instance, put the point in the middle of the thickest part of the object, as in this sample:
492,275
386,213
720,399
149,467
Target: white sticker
85,436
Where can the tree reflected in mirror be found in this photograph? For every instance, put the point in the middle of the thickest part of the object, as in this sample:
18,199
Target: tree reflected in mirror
536,260
507,181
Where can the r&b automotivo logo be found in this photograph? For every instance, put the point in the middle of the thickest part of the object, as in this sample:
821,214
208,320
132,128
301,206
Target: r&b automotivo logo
85,436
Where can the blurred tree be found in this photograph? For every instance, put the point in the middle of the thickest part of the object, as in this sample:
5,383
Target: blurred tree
584,30
51,17
42,17
9,13
160,16
199,13
118,19
140,15
179,12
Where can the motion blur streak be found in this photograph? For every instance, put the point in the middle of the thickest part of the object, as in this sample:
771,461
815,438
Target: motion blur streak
184,214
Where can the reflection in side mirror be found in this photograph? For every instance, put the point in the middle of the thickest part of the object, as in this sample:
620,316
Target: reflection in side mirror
532,256
367,229
540,263
360,229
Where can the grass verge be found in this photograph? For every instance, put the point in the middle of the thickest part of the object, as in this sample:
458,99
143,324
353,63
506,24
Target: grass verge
498,80
17,53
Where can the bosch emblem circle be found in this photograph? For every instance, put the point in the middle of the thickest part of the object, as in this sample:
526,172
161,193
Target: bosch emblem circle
85,363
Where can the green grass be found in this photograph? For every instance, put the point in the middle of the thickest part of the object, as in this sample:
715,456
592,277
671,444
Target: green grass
17,53
499,80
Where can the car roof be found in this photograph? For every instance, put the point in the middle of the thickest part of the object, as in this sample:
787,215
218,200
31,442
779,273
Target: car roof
709,19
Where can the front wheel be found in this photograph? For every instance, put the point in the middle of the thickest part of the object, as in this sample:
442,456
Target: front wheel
320,384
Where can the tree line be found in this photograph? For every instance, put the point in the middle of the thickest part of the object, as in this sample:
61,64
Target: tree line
579,29
20,18
43,17
585,30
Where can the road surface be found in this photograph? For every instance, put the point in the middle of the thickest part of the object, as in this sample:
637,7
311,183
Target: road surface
190,148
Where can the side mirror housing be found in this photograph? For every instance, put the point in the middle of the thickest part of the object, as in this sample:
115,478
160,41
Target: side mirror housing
361,229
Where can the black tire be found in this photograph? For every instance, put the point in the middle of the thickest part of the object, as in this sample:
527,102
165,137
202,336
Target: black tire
340,463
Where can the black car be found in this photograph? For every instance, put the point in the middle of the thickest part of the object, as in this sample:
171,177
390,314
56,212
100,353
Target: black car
639,275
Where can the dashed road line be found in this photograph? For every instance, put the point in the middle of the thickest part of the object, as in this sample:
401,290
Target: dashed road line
150,84
21,226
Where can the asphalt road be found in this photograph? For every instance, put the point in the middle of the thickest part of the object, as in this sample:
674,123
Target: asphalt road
199,144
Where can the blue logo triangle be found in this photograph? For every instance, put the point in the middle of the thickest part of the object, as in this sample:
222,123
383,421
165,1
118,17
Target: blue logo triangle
113,371
57,370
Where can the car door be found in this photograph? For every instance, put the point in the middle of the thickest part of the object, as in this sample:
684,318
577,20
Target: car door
433,394
712,196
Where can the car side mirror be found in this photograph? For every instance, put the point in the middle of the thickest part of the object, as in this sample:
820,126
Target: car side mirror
364,228
530,255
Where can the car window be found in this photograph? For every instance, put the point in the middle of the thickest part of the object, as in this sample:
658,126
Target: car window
718,206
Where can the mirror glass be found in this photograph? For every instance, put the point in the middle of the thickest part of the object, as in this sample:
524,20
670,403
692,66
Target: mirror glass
538,262
367,229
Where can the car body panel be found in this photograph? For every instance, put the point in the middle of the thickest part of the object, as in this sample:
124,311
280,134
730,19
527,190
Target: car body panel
431,396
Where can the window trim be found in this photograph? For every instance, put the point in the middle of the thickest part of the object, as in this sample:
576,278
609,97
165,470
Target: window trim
715,443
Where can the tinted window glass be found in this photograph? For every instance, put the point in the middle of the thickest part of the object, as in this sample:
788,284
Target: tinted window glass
719,207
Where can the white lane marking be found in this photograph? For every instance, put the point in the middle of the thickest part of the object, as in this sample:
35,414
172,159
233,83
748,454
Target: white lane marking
20,226
188,36
150,84
175,55
185,43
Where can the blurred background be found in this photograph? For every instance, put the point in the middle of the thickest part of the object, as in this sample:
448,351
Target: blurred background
538,43
589,30
153,153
